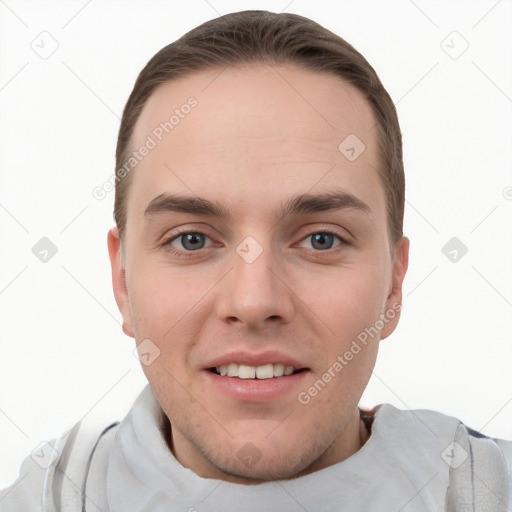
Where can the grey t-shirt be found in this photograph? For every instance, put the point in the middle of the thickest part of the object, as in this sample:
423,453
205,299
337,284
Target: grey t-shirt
414,460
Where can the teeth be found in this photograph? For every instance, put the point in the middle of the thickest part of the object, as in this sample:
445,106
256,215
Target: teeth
267,371
288,370
232,370
278,370
246,372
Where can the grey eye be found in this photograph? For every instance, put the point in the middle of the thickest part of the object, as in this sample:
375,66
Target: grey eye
322,240
191,241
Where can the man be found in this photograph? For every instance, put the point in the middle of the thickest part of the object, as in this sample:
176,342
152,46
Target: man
257,260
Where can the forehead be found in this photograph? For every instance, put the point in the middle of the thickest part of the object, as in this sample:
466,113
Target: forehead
254,98
254,131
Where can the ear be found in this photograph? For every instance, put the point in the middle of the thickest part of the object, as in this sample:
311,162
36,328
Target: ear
119,280
394,300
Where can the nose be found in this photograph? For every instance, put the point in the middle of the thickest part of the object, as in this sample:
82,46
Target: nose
255,293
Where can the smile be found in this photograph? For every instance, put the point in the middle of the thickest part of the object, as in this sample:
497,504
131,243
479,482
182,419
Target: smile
266,371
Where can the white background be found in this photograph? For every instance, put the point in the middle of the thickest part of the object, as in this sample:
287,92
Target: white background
64,355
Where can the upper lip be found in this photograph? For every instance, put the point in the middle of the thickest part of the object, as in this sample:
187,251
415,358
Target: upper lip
255,359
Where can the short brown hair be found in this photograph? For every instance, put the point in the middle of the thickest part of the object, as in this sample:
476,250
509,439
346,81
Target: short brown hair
265,37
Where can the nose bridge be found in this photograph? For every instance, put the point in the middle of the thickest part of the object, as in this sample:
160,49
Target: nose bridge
253,293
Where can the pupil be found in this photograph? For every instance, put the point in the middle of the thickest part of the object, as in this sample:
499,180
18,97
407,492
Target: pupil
193,239
323,239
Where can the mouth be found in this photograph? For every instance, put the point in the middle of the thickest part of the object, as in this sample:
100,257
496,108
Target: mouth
264,383
262,372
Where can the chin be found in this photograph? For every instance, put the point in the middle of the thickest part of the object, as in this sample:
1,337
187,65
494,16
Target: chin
264,470
249,465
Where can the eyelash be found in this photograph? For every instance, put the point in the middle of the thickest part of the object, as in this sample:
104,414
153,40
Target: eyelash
189,254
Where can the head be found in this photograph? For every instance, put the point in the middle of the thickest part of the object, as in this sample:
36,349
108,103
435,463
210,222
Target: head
259,210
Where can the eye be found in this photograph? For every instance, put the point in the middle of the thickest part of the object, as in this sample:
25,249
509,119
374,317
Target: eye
323,240
189,241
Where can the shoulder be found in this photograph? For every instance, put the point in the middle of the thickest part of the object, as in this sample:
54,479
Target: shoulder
481,471
53,477
478,467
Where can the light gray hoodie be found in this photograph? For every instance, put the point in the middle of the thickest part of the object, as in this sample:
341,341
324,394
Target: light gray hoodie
414,460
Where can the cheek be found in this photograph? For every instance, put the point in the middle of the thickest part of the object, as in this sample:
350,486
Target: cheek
347,300
349,352
158,296
161,305
171,308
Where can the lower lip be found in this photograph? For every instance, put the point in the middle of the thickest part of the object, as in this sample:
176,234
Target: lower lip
256,390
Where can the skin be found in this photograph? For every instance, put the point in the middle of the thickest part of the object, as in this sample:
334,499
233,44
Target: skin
251,143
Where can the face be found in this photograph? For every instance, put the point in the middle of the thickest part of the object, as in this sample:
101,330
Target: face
256,247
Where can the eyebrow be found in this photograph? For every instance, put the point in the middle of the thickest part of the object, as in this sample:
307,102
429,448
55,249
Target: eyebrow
301,204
